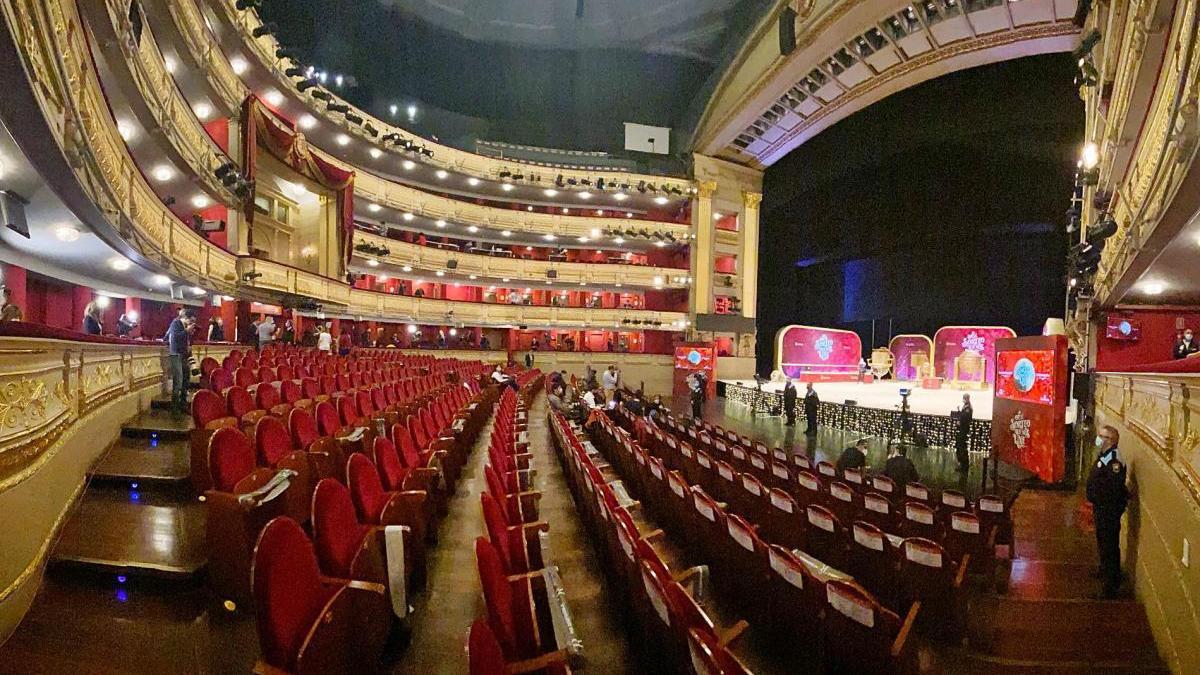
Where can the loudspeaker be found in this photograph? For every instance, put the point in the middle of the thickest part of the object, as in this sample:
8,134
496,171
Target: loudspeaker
451,264
850,401
12,212
787,31
1082,386
551,274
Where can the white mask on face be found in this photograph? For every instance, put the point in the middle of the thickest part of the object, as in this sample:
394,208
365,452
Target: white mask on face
1100,442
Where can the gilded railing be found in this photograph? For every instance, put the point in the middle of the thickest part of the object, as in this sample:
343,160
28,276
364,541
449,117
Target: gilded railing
526,271
207,54
450,158
1166,145
48,385
1164,412
175,117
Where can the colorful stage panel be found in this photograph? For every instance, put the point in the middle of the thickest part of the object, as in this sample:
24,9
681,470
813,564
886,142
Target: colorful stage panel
695,357
1030,403
950,342
810,353
903,348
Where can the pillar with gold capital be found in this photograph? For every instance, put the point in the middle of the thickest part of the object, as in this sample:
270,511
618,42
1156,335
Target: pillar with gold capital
749,252
702,249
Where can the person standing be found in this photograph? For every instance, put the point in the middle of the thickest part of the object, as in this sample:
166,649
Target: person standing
288,334
10,311
91,319
789,402
216,329
811,402
962,433
265,330
178,350
609,380
1108,495
324,339
697,395
1187,345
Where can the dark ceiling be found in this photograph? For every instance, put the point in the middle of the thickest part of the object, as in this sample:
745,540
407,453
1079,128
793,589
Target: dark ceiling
555,73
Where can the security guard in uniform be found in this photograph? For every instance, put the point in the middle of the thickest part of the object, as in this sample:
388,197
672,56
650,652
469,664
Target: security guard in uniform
789,403
1107,492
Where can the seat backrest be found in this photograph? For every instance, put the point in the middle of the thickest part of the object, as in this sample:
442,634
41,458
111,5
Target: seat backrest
230,458
303,427
244,377
266,374
336,529
364,403
405,445
239,401
327,419
387,460
289,391
419,438
287,588
710,657
206,407
379,398
311,387
498,596
219,380
365,487
348,410
485,656
267,396
272,440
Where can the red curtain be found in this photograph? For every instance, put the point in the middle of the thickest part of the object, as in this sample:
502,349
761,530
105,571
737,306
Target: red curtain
261,128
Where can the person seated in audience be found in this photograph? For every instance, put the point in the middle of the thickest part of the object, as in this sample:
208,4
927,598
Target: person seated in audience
1186,346
635,405
10,311
853,457
503,379
126,324
216,329
91,319
900,468
485,343
555,399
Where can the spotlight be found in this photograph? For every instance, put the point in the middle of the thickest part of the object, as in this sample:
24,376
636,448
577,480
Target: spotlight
1086,45
265,29
338,107
320,94
287,53
353,118
305,85
1102,230
294,71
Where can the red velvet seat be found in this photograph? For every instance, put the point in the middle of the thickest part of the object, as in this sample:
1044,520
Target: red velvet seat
485,656
273,445
860,635
209,413
510,607
346,547
268,399
244,377
376,506
518,545
219,380
328,421
308,623
928,575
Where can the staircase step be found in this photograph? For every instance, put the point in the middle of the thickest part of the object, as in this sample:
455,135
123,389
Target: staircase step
1044,579
116,529
160,424
163,402
145,461
1067,547
1070,630
972,663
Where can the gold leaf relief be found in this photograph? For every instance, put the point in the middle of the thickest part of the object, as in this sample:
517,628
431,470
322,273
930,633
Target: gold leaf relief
22,402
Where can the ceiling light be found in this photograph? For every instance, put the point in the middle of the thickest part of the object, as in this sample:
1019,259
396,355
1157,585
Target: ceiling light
373,263
621,196
618,285
506,233
103,301
376,153
1089,157
599,212
374,208
566,211
473,277
393,109
549,237
163,173
440,223
660,244
472,229
408,217
170,64
440,273
307,121
406,268
441,174
529,208
472,181
583,240
409,165
238,64
453,331
381,277
660,200
716,216
550,192
273,97
595,232
196,290
507,187
412,111
1153,288
200,201
619,240
343,139
585,195
528,248
161,280
629,215
412,328
120,264
67,233
127,130
505,280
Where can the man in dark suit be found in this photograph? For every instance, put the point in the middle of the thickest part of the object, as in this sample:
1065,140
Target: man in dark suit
963,433
1187,345
853,457
810,409
789,403
901,469
1107,492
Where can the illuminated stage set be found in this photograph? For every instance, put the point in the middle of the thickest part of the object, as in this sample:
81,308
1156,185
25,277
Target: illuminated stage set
913,388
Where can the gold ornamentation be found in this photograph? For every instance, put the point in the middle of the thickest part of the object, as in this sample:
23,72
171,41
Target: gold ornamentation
22,403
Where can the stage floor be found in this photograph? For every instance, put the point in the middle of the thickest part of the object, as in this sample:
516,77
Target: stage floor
885,395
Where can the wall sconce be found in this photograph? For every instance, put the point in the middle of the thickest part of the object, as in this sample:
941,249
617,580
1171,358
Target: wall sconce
308,252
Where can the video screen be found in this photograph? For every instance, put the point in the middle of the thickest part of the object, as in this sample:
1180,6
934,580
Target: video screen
1120,328
1026,375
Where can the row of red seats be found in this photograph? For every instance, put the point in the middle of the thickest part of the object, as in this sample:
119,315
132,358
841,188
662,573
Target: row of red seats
322,605
794,594
528,626
666,605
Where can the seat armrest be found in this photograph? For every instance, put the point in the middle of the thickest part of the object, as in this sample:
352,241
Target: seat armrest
727,637
909,621
537,663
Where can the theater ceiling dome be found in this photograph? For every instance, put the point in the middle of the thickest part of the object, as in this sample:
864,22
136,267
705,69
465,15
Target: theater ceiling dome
691,28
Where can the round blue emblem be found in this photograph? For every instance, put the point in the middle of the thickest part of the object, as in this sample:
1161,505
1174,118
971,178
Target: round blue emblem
1024,374
1125,327
694,357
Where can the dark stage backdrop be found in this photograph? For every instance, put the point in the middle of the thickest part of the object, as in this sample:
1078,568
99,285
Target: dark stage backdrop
940,205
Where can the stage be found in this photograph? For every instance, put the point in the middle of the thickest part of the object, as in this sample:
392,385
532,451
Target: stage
885,395
876,408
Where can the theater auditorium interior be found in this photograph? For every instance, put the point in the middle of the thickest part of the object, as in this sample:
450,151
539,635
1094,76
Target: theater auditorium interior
603,336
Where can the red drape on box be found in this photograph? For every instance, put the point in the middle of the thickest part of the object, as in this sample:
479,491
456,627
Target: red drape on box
261,128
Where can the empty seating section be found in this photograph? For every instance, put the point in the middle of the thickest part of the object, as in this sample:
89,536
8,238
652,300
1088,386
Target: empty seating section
806,551
528,627
359,451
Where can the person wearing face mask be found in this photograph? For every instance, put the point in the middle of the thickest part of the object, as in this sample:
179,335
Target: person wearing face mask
1108,495
1187,345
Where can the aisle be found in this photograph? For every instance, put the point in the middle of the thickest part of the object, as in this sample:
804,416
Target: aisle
453,598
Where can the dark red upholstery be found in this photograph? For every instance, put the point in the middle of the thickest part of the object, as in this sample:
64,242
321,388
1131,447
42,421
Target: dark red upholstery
206,407
272,440
230,458
303,428
336,528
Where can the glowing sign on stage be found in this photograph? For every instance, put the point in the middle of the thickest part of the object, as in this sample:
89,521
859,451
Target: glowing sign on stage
1025,375
694,357
951,342
974,342
913,354
1029,404
807,352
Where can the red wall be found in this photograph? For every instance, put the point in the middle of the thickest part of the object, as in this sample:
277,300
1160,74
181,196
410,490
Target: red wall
1156,344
